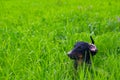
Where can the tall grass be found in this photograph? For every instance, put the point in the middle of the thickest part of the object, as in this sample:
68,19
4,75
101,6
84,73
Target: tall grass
36,35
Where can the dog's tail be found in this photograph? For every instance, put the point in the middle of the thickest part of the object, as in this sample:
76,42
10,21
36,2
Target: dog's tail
92,40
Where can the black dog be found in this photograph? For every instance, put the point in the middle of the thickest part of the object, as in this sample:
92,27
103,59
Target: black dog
82,52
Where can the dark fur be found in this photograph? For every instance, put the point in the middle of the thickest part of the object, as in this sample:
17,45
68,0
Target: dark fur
82,52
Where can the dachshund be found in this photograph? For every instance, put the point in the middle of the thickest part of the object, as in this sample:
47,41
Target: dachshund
82,52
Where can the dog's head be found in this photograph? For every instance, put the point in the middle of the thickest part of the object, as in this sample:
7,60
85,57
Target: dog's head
81,49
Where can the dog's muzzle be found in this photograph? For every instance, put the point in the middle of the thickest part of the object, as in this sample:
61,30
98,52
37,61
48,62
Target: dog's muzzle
73,55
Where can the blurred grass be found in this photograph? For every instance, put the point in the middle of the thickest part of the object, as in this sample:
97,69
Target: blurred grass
36,36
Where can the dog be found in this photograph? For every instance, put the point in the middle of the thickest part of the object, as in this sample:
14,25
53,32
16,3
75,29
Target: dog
82,52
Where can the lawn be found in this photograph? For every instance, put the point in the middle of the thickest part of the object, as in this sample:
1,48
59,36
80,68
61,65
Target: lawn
35,36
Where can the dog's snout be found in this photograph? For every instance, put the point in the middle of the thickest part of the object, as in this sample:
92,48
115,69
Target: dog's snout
69,55
69,52
72,55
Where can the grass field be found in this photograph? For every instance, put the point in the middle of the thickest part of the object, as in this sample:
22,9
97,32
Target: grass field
35,36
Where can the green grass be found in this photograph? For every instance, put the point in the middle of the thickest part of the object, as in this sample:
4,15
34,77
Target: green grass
35,36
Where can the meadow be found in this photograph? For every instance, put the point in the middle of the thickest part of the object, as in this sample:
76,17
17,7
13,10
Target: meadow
35,36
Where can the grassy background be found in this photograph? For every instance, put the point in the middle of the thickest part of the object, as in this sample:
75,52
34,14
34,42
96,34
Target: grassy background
35,36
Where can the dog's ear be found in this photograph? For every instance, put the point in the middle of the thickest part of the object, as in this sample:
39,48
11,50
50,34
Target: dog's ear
93,49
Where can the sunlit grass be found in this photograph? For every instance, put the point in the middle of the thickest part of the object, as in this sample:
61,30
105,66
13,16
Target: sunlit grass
36,35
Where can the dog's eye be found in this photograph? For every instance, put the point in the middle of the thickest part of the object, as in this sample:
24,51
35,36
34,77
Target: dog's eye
79,47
